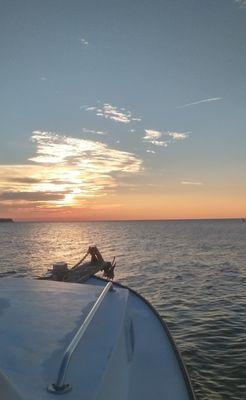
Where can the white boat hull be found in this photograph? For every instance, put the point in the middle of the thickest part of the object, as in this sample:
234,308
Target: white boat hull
126,352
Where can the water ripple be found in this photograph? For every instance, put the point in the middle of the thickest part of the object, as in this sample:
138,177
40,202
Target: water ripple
193,272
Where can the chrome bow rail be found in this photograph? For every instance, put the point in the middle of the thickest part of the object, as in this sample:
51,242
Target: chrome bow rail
60,387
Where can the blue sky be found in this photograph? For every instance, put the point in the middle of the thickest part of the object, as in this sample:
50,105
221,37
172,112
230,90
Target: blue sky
163,81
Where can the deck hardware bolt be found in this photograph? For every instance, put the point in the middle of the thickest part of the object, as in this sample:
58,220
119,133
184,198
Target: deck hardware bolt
55,389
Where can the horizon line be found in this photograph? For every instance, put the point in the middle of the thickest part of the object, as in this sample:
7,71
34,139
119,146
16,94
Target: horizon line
132,220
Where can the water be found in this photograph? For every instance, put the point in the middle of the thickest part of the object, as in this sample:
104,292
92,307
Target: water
193,272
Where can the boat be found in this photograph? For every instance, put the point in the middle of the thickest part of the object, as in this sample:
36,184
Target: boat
97,340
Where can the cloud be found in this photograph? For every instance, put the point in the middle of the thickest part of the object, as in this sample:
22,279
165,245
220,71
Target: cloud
178,135
20,177
53,148
85,130
23,180
83,42
200,101
159,143
241,3
156,137
115,114
88,108
152,134
150,151
64,172
191,183
32,196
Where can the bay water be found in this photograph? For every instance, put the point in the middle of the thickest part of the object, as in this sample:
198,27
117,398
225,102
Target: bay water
193,273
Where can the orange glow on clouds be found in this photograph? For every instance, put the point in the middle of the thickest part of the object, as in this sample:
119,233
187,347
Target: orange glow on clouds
77,179
63,173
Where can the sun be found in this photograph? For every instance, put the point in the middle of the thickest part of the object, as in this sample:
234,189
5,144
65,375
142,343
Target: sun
70,198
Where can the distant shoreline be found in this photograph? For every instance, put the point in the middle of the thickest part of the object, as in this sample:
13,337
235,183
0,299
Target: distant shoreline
6,220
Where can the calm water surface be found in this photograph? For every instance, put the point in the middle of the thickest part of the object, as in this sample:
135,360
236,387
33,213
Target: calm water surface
193,272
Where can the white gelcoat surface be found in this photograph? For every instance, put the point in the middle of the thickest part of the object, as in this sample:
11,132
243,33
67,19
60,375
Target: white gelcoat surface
124,355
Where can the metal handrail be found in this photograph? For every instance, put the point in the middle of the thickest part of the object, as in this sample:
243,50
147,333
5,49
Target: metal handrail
61,387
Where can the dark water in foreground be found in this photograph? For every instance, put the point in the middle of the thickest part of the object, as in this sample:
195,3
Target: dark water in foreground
193,272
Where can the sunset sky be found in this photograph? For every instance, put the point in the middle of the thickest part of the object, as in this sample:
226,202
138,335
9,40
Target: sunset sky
129,109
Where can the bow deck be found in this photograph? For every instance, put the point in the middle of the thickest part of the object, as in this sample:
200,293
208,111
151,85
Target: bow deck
124,354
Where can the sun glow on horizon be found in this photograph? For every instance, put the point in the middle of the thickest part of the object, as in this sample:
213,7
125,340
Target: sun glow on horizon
64,172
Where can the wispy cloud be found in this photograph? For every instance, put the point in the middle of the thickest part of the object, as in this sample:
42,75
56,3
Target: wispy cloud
156,137
87,108
108,111
160,143
241,3
83,42
27,180
191,183
95,132
32,196
200,101
150,151
64,172
178,135
152,134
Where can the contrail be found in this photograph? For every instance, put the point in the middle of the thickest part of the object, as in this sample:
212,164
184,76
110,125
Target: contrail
200,101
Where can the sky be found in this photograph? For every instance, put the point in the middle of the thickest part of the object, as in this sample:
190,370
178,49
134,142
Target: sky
129,109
